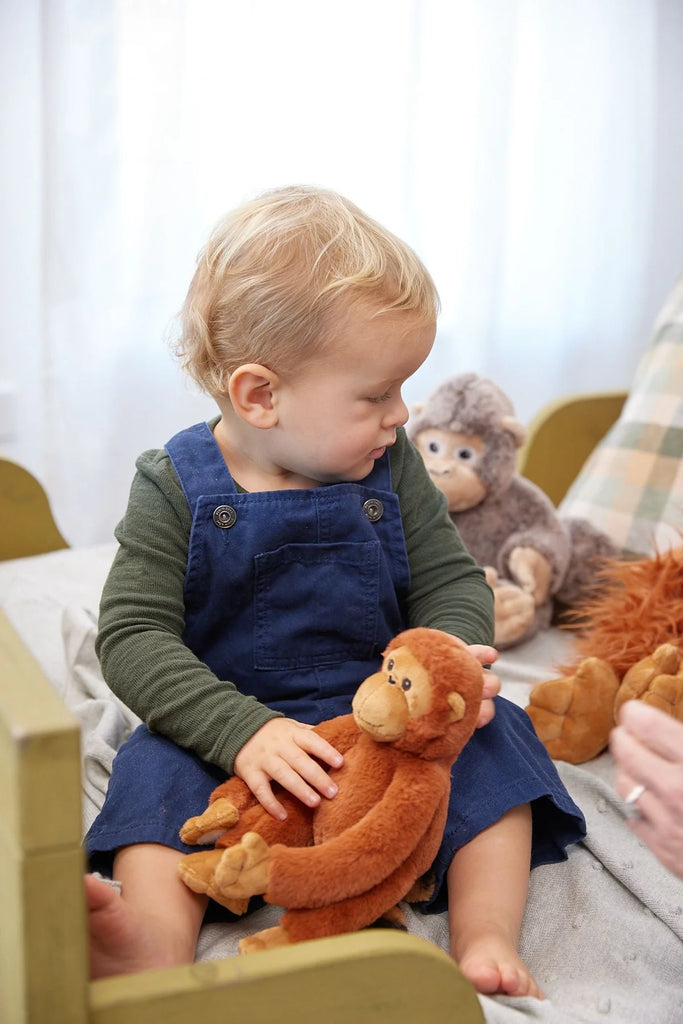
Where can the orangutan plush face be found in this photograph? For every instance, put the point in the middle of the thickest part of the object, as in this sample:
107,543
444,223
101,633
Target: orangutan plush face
401,691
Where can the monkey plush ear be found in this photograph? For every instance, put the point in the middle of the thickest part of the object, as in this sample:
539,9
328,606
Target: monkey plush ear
514,427
456,702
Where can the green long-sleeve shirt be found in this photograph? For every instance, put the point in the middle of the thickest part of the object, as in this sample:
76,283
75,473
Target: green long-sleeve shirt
140,645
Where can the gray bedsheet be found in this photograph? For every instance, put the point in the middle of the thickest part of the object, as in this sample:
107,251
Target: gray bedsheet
603,931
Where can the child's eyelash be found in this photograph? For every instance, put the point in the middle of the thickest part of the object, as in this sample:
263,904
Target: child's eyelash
381,398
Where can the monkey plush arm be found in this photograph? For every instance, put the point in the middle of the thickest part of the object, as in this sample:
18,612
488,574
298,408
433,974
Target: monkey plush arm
532,571
382,840
535,545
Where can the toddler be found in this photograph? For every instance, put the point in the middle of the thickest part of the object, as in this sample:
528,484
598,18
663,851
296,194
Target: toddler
267,557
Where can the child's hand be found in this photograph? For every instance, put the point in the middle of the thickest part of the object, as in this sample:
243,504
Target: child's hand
283,751
486,656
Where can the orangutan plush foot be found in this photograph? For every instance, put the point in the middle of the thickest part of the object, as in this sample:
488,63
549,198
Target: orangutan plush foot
269,938
243,869
573,715
657,680
198,872
211,825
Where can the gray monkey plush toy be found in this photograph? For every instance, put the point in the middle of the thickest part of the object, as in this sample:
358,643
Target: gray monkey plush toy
468,437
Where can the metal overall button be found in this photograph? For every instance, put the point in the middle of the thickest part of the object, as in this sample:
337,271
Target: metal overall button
374,509
224,516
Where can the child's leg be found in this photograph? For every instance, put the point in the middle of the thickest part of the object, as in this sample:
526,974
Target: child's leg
154,922
487,890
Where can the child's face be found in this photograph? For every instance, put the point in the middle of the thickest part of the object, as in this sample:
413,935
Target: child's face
338,413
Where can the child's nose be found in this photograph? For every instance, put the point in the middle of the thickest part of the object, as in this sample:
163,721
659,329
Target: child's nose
396,414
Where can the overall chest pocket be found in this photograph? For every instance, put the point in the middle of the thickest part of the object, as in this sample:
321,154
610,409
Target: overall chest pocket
316,604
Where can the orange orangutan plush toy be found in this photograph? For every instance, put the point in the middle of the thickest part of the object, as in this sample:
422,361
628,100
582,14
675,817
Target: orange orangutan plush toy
343,865
629,646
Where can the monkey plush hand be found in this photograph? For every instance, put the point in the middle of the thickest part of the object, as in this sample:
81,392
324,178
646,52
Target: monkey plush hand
348,862
468,438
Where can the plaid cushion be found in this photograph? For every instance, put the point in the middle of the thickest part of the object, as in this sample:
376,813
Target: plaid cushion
631,487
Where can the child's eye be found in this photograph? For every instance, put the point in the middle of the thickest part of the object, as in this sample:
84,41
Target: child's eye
381,398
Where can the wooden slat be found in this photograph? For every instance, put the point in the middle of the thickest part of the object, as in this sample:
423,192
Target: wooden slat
28,526
357,979
43,957
39,753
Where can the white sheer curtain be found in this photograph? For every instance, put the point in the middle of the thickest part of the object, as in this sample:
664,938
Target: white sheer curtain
530,150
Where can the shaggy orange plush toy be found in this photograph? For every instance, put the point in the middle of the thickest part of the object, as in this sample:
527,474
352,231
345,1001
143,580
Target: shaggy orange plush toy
630,647
343,865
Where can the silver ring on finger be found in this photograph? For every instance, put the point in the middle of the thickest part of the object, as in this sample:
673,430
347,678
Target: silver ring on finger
631,809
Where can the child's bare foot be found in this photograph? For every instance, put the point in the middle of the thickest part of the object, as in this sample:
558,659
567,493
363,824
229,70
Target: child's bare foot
494,966
118,943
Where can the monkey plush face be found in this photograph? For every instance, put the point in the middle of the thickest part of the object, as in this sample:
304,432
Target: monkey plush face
415,698
468,437
452,460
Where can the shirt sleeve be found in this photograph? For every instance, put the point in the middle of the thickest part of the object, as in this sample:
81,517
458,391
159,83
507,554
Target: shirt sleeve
140,639
448,589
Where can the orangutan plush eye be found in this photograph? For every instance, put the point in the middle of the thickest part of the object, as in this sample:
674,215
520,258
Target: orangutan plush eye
390,664
406,684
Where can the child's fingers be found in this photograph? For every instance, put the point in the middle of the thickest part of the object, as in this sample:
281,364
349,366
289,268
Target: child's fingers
316,746
491,686
292,777
487,713
485,654
286,752
259,784
306,770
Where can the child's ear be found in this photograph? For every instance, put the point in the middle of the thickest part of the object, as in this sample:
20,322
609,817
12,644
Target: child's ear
252,389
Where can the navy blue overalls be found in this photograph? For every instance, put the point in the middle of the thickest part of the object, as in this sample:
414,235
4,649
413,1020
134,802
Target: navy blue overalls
293,595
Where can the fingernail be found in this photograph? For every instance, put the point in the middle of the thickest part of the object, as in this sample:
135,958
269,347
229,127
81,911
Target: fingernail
331,791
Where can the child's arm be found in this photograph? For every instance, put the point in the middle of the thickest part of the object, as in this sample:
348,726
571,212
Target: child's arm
487,889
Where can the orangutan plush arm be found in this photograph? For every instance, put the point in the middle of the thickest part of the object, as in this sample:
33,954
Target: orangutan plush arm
387,834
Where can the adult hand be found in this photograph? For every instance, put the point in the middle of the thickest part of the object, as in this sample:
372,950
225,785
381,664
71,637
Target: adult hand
284,751
647,746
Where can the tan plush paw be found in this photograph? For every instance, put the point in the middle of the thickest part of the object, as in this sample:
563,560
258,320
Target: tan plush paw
573,715
666,694
532,571
514,614
197,871
211,825
656,680
269,938
243,869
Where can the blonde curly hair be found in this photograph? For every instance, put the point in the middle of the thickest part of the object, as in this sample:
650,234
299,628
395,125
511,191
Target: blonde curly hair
277,270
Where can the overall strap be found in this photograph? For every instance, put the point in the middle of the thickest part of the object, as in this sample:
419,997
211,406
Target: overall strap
199,464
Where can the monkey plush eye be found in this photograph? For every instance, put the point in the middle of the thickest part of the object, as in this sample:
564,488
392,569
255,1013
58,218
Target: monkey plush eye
465,453
406,684
435,447
390,664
